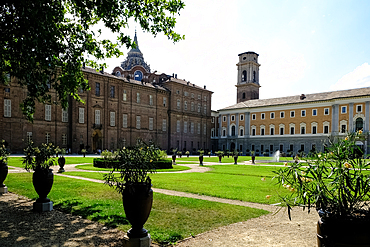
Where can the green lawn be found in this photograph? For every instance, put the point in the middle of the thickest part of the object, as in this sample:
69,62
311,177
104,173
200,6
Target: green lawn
90,167
226,181
172,218
17,161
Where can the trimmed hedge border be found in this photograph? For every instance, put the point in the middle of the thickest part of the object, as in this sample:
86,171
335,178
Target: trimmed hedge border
102,163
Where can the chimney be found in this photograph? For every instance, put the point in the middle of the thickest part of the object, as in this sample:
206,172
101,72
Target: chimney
302,96
102,70
83,65
188,83
176,76
204,86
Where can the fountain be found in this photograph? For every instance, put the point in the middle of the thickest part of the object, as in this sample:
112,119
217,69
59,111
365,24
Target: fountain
277,156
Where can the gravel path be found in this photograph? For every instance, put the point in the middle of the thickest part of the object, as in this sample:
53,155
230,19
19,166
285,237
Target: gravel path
20,226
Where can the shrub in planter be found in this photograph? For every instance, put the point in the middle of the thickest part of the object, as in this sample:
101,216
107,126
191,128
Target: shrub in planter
337,185
39,159
219,154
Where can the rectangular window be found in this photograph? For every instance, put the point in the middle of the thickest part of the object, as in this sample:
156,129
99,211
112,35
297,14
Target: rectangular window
314,129
343,128
29,137
124,121
262,147
112,91
192,96
291,147
281,147
272,115
326,129
205,98
7,108
178,104
303,113
303,130
64,139
164,124
281,131
178,126
150,99
204,129
47,137
359,108
185,105
262,115
81,115
112,119
138,98
138,122
271,148
64,116
292,130
124,95
241,117
97,89
344,109
164,101
205,109
282,114
252,147
185,127
326,111
253,116
198,107
97,116
272,131
253,132
224,119
199,97
314,112
292,114
151,123
48,112
192,128
262,132
302,147
198,129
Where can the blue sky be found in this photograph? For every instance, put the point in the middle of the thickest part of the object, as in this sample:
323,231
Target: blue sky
304,46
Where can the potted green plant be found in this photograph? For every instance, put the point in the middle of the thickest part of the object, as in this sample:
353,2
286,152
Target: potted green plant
201,153
219,154
39,159
174,151
235,156
253,156
337,185
3,166
130,177
61,160
187,153
84,151
179,153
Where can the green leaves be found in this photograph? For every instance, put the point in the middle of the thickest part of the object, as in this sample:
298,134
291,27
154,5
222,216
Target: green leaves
46,41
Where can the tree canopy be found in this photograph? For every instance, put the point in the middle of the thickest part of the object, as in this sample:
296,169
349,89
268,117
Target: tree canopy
45,42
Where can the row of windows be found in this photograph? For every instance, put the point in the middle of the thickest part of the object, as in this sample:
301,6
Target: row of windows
241,118
344,109
186,94
291,114
292,129
190,127
192,106
272,148
47,138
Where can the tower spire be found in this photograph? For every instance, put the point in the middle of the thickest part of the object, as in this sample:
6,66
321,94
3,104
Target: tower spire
136,42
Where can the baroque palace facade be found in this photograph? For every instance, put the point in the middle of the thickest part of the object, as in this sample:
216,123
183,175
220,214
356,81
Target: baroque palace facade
295,123
121,107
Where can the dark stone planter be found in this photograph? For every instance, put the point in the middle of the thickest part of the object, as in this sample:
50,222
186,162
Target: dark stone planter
137,202
3,173
235,160
174,159
42,180
253,159
61,162
200,160
343,232
219,159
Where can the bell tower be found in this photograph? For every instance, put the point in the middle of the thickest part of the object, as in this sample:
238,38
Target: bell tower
248,77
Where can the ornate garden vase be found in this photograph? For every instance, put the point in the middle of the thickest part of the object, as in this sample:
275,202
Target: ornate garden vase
3,173
137,202
42,180
343,232
235,160
61,162
200,160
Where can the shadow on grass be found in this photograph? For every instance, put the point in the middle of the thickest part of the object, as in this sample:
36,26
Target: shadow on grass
91,212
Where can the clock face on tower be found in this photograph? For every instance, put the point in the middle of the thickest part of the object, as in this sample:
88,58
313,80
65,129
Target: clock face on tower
138,75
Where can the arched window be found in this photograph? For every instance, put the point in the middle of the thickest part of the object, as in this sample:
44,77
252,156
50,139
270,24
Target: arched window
359,124
243,96
233,130
244,75
241,132
254,76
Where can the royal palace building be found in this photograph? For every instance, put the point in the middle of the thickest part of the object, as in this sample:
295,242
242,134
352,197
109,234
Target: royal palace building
290,124
128,104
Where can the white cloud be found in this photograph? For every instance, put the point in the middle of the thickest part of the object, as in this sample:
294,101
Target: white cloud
359,77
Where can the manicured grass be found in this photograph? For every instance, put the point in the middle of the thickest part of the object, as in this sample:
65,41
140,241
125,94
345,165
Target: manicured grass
225,181
18,161
172,218
90,167
15,161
